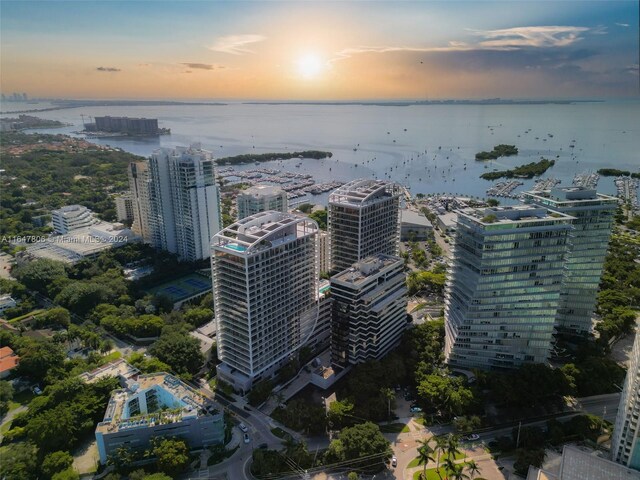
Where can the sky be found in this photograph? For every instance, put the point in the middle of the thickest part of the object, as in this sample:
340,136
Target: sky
303,50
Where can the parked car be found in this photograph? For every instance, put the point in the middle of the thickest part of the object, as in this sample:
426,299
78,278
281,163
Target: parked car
472,437
246,438
415,409
394,461
243,427
36,390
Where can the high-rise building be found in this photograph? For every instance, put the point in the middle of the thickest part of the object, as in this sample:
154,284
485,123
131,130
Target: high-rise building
265,288
369,309
261,198
504,284
593,214
625,442
324,252
176,201
139,182
72,217
124,208
364,220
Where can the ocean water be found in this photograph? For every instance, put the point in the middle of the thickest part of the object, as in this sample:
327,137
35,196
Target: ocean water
427,148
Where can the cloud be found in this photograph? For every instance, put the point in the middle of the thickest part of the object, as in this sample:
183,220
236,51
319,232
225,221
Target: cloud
108,69
625,25
144,65
507,39
236,44
204,66
537,37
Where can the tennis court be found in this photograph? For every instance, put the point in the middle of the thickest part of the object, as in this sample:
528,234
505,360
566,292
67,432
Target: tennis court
183,288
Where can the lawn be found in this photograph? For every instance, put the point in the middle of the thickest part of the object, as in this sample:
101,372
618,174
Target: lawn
431,474
394,428
115,355
458,456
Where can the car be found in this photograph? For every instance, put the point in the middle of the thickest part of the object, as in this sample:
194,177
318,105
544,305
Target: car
243,427
37,390
472,437
246,438
415,409
394,461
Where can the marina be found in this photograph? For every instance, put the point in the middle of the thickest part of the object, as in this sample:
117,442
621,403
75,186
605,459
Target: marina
628,190
585,179
545,184
504,189
295,184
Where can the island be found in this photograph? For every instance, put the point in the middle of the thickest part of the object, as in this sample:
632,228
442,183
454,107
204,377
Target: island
269,157
501,150
24,122
614,172
529,170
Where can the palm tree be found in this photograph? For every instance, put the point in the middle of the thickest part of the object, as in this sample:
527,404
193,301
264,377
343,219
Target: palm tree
425,455
450,466
441,445
457,472
452,446
472,468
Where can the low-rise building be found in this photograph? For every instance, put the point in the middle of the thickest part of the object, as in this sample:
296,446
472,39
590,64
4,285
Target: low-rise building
124,208
447,222
82,243
6,302
414,226
583,464
8,361
158,405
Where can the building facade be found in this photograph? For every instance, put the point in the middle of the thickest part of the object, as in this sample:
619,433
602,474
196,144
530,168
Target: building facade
261,198
176,201
71,217
363,220
265,288
324,252
369,309
124,208
414,226
502,294
157,405
625,442
128,125
593,214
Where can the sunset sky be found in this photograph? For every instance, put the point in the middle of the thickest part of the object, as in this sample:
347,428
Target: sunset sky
319,51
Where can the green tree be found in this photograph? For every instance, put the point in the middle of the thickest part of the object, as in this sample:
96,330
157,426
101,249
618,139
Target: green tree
19,461
447,394
526,457
472,467
178,350
56,462
80,297
363,441
320,217
53,429
340,414
6,395
39,274
68,474
198,316
172,455
38,357
58,316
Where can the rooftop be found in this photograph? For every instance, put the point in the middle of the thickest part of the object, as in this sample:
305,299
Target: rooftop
414,218
262,191
8,359
359,192
153,399
118,368
521,215
571,195
365,268
263,230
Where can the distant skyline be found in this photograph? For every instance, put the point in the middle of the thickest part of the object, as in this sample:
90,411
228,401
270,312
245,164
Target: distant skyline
319,51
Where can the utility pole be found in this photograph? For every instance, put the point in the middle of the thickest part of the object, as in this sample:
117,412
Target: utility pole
518,439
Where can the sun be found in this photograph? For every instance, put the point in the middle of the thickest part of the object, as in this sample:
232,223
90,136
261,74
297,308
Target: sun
310,66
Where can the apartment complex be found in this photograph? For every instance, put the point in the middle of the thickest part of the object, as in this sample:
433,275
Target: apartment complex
363,220
71,217
265,288
128,125
324,252
501,298
625,442
261,198
593,214
157,405
176,201
369,309
124,208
